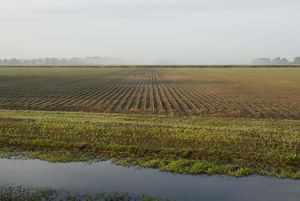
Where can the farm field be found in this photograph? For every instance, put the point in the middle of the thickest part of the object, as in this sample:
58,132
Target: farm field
233,121
231,92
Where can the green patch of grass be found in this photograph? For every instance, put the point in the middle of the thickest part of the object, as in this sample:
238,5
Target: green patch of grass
187,145
20,193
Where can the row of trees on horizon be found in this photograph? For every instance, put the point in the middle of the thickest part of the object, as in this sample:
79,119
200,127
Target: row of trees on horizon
116,61
275,61
62,61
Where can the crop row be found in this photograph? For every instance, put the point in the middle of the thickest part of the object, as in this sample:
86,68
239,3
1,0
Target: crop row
150,91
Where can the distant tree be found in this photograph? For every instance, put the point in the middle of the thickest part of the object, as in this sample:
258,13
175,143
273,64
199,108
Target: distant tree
284,61
262,61
297,60
5,62
13,61
276,61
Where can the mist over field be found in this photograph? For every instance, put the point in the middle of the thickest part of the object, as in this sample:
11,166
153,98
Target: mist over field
151,31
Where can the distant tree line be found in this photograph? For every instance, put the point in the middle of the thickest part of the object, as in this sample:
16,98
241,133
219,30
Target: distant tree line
110,62
275,61
58,61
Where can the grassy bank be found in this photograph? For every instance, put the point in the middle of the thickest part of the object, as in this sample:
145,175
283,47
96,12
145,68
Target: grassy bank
20,193
190,145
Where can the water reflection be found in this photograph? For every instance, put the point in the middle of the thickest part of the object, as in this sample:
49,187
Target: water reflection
105,177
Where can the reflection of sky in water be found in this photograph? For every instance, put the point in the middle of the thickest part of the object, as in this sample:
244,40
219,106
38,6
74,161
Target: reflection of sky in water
100,177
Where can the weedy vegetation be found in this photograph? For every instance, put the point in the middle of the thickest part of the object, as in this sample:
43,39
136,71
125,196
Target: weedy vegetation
21,193
186,145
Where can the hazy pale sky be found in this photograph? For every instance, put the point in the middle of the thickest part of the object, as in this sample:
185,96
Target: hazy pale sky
183,31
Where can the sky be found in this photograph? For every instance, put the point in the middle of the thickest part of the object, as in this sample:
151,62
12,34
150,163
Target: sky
170,31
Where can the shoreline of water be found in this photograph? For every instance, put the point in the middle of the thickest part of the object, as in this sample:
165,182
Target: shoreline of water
107,177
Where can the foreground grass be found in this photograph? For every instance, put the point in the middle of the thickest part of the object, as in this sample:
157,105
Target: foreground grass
188,145
20,193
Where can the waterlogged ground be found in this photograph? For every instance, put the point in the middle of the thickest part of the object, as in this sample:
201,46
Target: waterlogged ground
191,145
106,177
